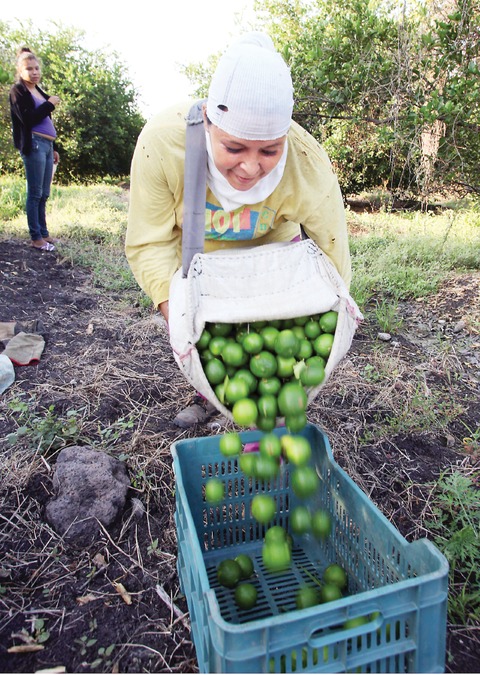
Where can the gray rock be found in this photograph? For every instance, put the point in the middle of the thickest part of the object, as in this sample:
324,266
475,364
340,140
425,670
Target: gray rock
90,488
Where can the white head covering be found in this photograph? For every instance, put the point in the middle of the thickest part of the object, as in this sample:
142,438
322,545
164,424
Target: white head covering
251,92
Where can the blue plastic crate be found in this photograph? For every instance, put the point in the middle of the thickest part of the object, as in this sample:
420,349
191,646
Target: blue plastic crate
401,587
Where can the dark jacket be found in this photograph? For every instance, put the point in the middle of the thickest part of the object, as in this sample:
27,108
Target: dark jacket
25,115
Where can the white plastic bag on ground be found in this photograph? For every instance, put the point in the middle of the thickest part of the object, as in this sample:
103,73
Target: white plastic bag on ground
274,281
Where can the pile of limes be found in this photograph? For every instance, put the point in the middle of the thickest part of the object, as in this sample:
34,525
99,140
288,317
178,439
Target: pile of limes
263,466
263,370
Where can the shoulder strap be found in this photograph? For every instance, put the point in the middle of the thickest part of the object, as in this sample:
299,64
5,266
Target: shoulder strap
195,181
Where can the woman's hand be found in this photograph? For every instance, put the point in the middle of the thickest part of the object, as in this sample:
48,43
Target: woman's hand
56,157
163,308
54,100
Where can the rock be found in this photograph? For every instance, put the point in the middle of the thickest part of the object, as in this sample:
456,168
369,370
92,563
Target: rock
422,330
385,337
89,486
459,326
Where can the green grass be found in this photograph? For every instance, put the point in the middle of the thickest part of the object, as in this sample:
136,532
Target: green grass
406,256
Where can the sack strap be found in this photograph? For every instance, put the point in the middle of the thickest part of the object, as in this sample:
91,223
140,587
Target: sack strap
195,182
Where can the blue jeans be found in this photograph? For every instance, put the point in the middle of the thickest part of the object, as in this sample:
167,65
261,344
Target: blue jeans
38,168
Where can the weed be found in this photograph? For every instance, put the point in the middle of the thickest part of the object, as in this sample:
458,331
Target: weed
454,524
387,316
44,433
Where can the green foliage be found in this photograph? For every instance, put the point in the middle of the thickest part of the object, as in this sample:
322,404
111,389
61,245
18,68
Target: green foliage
43,432
393,93
12,197
454,523
97,121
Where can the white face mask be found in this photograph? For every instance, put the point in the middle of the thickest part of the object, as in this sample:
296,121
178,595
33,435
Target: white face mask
230,198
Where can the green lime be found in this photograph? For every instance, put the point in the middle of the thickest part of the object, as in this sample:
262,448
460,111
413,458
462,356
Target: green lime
321,524
203,340
297,449
214,490
312,375
330,592
292,399
312,329
304,482
298,332
263,364
275,533
215,371
300,520
269,335
230,444
267,405
269,385
270,444
246,596
233,354
266,467
285,366
247,463
307,596
245,412
248,377
328,321
335,574
206,355
296,423
235,389
305,350
220,392
229,573
253,343
216,345
286,343
316,359
356,621
263,508
266,424
246,565
323,344
218,328
276,556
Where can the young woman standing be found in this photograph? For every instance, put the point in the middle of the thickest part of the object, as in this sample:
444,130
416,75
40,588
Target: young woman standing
34,135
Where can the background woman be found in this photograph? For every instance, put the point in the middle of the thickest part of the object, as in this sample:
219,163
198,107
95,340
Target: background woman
34,135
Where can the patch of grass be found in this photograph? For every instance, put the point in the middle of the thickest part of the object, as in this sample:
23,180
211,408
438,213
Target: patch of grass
454,523
406,256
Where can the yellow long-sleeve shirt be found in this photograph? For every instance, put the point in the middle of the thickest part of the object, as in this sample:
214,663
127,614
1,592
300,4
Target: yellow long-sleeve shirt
308,195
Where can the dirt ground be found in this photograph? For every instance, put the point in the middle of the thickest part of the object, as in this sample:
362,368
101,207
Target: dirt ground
109,366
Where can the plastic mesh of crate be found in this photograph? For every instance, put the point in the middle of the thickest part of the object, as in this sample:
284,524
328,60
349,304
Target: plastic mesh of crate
398,588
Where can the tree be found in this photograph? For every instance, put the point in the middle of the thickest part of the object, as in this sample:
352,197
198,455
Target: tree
98,120
393,93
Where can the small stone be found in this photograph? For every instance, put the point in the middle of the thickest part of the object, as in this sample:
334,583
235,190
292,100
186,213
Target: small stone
459,326
385,337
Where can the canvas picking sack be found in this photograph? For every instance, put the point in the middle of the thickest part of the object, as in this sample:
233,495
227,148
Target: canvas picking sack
262,283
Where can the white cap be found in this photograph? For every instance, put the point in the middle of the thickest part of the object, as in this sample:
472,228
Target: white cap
251,92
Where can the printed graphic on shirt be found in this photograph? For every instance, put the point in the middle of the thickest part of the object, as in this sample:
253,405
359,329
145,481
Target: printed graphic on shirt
244,223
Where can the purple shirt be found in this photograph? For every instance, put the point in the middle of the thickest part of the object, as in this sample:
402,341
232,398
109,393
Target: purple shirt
46,125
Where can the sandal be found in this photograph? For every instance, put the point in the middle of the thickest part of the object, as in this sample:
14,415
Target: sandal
46,246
